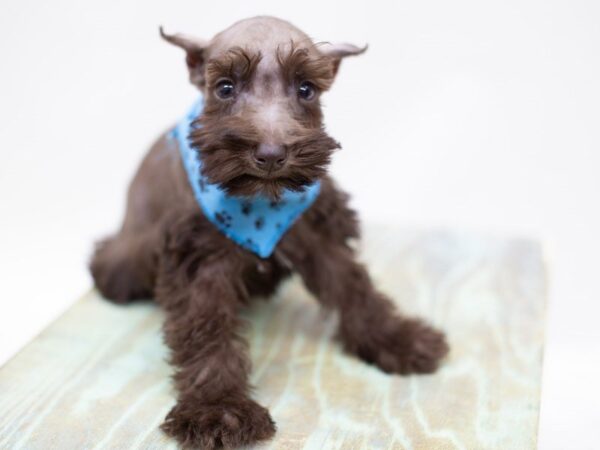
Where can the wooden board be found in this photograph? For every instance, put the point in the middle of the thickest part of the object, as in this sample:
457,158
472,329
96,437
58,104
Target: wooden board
97,377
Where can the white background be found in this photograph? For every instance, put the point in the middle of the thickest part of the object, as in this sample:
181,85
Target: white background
469,114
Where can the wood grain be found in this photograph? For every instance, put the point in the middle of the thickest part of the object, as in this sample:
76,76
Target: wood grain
97,377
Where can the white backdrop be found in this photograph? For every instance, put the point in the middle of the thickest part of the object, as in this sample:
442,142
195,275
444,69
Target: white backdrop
469,114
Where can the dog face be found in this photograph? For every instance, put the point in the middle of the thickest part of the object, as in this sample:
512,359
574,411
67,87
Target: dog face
261,129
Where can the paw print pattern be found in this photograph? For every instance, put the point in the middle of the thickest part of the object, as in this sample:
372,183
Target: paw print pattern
223,218
246,208
259,223
276,205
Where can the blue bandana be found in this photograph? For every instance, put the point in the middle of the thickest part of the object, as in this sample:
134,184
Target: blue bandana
256,223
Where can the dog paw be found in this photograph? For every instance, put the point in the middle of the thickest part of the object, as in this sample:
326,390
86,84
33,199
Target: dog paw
406,346
226,424
115,275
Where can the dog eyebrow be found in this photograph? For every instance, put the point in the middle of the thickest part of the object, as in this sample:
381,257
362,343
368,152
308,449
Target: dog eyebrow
298,64
237,64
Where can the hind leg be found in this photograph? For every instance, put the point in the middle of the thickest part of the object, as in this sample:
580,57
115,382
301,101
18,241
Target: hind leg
124,266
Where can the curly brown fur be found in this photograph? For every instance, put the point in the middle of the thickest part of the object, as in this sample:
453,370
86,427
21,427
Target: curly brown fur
226,145
167,249
201,285
237,63
124,267
297,64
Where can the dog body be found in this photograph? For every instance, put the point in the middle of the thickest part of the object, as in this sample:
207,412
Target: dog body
259,134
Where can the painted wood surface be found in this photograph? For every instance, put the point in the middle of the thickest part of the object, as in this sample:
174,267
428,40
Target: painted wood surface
97,377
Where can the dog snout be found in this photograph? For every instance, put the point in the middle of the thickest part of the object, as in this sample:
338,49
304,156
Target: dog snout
270,157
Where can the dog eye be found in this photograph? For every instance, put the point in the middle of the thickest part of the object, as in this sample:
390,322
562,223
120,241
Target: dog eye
306,90
224,89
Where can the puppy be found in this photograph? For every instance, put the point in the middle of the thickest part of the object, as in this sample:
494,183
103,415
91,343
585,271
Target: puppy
230,202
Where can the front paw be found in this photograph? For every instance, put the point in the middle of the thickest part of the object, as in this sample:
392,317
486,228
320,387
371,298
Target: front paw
226,424
402,346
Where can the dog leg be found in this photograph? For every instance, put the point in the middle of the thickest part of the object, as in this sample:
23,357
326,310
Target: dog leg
201,293
124,266
369,325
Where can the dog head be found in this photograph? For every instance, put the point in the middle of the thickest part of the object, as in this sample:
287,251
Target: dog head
261,130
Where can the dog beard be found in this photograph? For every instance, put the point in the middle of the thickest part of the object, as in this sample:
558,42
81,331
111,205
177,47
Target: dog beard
226,147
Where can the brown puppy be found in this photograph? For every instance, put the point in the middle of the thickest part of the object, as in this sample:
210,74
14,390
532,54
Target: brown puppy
260,132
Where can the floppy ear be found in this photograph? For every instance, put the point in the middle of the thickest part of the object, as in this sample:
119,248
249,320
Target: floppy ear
339,51
195,54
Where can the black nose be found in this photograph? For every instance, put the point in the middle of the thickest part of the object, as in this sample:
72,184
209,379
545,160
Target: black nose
270,156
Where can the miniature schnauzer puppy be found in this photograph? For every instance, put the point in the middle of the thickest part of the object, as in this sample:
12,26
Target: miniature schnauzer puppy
230,202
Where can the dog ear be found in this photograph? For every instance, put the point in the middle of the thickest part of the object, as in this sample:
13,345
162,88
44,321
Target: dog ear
195,54
339,51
